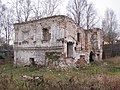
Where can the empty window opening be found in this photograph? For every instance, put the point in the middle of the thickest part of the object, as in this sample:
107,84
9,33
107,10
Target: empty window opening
46,34
69,49
91,57
25,35
32,62
78,37
19,43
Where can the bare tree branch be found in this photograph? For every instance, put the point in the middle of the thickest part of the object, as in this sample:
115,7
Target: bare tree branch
6,22
82,13
46,8
109,25
76,9
90,16
23,10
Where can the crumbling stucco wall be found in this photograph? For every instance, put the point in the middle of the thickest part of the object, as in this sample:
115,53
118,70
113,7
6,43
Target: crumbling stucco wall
71,31
58,36
94,42
29,41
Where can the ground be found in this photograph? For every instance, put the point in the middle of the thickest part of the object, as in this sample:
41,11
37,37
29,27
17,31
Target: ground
102,75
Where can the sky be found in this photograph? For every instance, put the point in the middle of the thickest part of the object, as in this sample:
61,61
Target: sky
100,5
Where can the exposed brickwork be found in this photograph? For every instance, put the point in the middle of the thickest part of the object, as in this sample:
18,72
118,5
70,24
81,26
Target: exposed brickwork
31,41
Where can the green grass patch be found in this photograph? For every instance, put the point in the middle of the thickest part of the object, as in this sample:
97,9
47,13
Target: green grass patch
101,67
98,76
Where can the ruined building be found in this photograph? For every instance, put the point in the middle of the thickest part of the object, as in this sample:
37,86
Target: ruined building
55,41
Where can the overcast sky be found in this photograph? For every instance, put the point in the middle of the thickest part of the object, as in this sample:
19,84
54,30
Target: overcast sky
100,5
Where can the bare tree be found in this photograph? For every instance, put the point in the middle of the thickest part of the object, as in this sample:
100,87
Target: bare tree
18,11
2,11
8,24
27,9
83,13
76,10
51,7
91,17
23,10
109,25
38,9
46,8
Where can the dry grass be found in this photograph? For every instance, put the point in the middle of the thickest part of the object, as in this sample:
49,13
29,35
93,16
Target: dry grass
100,82
114,60
98,76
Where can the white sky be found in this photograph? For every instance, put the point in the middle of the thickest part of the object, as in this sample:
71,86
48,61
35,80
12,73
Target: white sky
100,5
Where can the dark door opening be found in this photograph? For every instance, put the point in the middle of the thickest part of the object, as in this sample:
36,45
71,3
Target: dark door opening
32,62
91,57
69,49
78,37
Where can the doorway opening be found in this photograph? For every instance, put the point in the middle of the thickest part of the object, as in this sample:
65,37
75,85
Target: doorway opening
91,57
69,49
32,62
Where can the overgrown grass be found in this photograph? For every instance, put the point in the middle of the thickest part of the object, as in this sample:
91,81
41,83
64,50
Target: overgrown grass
98,76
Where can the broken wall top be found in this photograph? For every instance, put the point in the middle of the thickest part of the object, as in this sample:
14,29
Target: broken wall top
58,18
45,18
